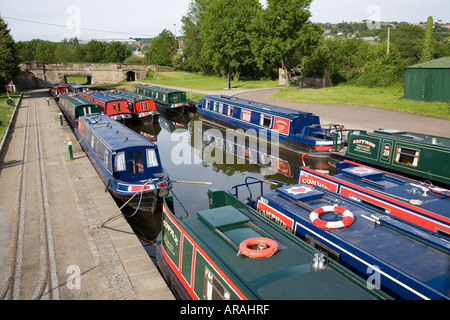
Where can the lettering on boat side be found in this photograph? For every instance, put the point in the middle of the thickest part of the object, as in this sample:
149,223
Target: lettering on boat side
230,309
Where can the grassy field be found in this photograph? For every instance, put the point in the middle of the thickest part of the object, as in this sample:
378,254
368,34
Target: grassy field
387,98
201,82
6,111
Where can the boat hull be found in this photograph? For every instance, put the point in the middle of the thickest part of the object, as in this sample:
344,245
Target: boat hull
301,145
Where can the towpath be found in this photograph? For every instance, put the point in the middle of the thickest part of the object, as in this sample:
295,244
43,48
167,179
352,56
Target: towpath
50,244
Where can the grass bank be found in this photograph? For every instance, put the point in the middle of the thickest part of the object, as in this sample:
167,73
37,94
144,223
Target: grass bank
6,111
387,98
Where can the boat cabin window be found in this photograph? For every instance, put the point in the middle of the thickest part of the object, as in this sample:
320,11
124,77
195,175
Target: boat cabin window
213,289
105,160
407,156
246,115
176,98
230,111
220,107
266,121
140,161
120,161
131,161
152,161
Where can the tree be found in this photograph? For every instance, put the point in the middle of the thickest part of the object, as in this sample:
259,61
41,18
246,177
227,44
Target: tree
282,30
94,51
116,52
226,37
427,50
162,49
8,56
192,52
45,51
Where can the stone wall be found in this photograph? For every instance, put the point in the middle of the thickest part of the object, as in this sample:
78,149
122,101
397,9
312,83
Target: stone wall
45,74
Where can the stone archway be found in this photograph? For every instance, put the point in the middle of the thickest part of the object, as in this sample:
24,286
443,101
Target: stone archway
131,76
88,77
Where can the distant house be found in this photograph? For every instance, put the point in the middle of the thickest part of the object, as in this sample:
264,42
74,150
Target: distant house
428,81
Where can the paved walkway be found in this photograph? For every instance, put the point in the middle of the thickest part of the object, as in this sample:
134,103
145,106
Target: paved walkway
50,245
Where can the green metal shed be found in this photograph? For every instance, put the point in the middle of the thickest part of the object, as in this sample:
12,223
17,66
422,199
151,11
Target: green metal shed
428,81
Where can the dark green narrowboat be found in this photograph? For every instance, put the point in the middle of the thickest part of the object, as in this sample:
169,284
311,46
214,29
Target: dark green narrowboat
416,155
74,106
231,252
168,101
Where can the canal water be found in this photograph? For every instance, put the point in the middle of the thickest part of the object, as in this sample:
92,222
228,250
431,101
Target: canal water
195,152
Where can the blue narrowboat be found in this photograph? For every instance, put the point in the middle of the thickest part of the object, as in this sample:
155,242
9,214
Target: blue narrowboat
116,108
142,108
230,252
73,106
295,130
128,164
421,204
404,261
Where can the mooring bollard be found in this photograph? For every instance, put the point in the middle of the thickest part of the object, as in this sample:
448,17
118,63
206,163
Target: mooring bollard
69,145
60,118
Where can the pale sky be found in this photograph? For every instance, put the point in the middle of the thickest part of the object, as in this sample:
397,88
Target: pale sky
147,18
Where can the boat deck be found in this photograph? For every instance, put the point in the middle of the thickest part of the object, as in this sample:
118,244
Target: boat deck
288,274
399,252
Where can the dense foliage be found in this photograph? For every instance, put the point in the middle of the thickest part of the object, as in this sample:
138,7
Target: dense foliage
247,40
8,56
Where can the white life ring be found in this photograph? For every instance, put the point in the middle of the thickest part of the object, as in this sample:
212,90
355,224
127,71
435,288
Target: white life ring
346,221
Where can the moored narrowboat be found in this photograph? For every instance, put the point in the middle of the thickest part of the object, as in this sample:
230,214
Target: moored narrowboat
230,252
405,262
168,101
128,164
57,89
418,203
73,106
76,87
116,108
142,108
419,156
294,130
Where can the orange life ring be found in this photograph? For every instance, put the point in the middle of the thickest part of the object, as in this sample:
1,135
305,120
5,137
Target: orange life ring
315,220
266,247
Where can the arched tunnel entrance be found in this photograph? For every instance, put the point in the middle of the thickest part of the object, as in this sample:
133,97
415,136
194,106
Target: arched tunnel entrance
131,76
80,78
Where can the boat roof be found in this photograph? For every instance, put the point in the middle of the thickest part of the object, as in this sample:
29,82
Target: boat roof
158,88
407,253
261,107
77,85
288,274
414,136
58,85
76,99
128,95
387,184
116,135
102,96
